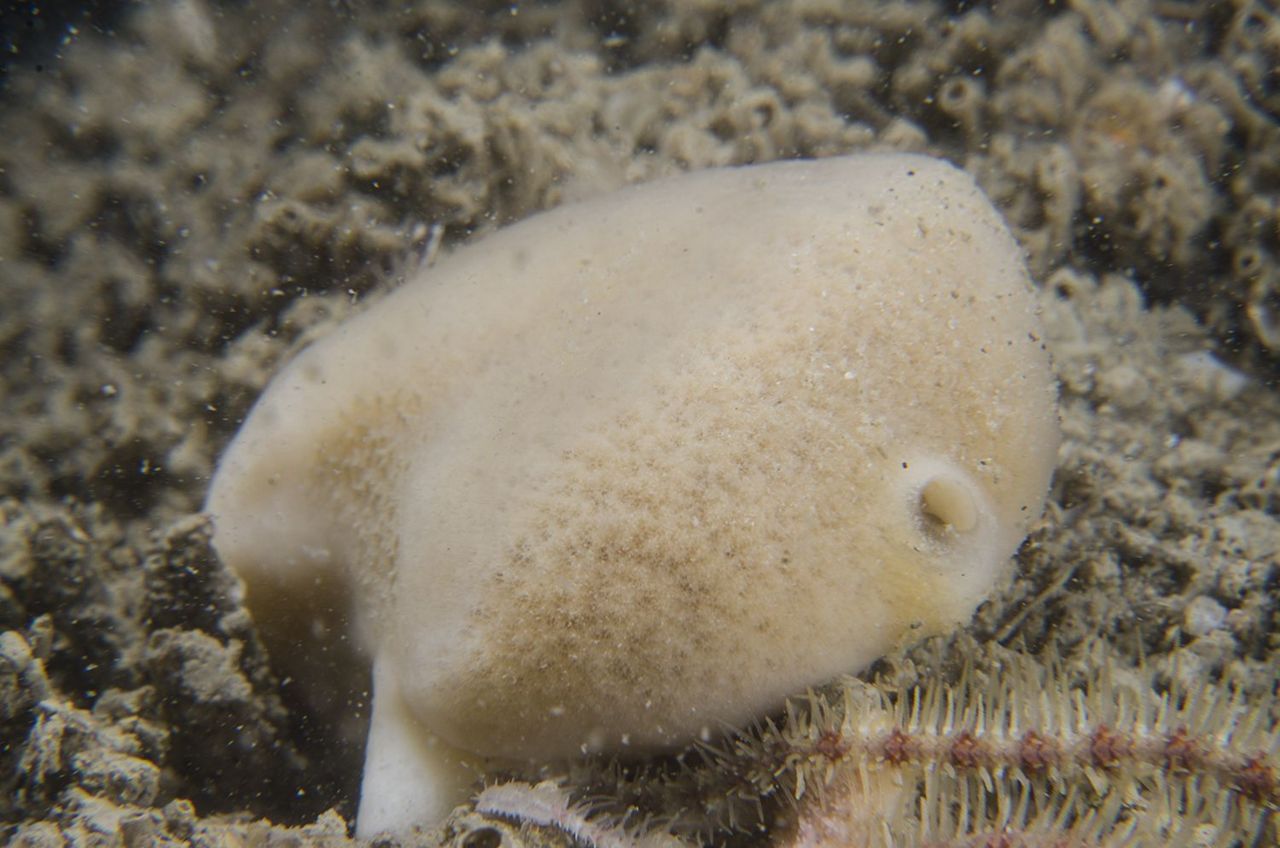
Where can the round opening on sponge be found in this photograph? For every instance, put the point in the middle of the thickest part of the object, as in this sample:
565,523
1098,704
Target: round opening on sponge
948,506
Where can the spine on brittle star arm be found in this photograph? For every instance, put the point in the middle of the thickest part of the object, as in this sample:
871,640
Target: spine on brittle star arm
546,804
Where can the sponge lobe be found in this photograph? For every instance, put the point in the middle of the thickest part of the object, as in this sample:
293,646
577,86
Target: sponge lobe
721,436
642,466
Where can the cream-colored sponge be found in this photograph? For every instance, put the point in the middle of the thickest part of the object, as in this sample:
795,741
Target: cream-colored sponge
643,466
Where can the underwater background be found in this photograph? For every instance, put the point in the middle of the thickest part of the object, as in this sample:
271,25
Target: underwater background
190,191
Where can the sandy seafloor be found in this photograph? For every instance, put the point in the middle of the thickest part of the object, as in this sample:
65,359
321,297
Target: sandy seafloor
190,197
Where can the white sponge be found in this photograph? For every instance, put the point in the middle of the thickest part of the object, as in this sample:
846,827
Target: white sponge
645,465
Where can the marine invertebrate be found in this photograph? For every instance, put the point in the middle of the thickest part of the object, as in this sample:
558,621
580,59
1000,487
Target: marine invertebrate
1019,754
1028,756
548,804
644,466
